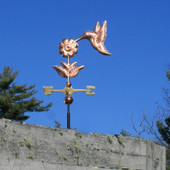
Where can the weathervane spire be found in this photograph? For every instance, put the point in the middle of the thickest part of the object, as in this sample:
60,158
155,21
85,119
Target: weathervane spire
68,48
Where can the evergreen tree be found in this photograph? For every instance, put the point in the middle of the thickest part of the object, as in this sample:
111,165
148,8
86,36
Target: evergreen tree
15,100
164,129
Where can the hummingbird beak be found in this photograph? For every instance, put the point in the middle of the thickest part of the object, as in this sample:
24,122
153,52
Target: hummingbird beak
80,38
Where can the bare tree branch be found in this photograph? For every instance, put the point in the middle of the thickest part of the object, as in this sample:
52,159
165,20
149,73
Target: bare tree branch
141,128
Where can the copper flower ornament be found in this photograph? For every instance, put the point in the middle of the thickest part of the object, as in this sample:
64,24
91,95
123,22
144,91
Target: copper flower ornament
68,47
68,70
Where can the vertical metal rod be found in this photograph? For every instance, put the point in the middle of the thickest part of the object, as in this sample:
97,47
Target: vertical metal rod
68,80
68,105
68,62
68,116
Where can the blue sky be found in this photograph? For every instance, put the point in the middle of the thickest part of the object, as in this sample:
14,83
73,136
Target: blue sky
128,81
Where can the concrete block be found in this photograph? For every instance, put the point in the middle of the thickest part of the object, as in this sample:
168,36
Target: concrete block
37,147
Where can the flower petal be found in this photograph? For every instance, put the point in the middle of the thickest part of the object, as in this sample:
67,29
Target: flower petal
70,41
65,41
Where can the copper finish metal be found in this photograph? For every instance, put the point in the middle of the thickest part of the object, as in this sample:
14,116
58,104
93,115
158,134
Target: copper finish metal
68,70
97,38
68,84
68,47
68,100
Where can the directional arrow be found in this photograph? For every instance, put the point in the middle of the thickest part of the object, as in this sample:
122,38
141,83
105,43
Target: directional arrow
69,90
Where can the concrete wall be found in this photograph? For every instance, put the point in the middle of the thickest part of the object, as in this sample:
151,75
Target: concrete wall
32,147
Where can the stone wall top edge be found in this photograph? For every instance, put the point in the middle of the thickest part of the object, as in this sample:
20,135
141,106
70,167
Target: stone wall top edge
3,120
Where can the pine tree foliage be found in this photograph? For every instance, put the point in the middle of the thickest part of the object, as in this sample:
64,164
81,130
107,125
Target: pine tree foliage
164,130
15,100
168,75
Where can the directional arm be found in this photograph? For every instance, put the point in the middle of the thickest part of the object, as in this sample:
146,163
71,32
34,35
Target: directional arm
48,90
69,90
89,88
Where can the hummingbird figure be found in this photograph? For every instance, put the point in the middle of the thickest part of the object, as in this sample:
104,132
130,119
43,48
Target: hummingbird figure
97,37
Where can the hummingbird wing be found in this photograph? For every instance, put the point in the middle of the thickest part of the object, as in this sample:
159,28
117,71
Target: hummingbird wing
101,35
97,28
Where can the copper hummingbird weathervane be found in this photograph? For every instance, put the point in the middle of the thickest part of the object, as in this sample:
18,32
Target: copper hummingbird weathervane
68,48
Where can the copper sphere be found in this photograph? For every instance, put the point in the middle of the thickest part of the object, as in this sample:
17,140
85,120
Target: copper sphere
68,100
68,84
